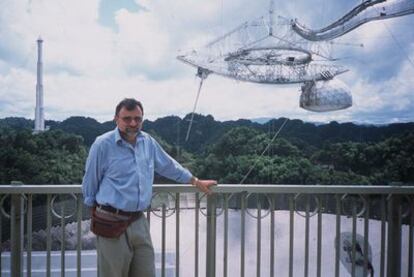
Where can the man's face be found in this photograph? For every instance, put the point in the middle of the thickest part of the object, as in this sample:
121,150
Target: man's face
129,122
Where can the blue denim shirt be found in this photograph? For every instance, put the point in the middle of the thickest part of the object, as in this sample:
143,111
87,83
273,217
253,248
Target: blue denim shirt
121,175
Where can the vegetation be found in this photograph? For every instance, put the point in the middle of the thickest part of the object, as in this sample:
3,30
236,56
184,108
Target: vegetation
343,163
52,157
304,153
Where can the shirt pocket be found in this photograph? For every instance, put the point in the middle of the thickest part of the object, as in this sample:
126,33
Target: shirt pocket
120,167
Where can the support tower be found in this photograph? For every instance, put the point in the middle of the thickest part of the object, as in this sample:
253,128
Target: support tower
39,111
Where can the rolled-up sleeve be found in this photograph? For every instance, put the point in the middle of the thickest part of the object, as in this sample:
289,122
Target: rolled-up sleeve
166,166
93,173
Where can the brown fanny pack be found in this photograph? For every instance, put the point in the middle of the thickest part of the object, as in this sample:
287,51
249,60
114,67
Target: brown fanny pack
110,225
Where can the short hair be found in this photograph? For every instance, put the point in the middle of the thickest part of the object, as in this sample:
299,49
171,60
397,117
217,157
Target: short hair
129,104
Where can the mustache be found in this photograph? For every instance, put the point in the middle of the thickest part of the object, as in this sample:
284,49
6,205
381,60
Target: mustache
129,129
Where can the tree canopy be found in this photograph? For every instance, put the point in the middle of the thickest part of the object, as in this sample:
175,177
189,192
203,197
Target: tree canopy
52,157
303,153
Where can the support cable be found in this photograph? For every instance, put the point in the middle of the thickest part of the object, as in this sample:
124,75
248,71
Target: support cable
264,151
202,73
399,44
271,11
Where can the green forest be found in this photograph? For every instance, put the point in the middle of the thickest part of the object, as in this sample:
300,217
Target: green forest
303,153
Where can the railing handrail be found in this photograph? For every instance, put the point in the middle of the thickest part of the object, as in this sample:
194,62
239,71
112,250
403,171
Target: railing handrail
389,201
224,188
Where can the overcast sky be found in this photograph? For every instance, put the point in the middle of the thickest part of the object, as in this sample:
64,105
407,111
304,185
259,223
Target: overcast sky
97,52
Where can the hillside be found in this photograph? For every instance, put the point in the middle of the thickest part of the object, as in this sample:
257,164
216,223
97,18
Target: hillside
206,130
303,153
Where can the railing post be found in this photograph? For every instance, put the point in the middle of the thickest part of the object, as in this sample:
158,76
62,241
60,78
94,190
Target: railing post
16,233
394,236
211,236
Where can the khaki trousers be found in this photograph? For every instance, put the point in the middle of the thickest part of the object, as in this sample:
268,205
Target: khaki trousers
130,255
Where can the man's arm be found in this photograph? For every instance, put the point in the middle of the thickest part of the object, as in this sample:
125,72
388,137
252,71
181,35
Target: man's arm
92,177
170,168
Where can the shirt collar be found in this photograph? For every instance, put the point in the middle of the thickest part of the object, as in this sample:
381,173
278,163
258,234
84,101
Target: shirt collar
118,137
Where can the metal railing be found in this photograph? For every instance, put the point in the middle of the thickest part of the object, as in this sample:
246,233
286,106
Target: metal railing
387,210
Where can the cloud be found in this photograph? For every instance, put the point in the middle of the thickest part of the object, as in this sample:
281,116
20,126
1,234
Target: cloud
389,100
13,87
89,67
142,42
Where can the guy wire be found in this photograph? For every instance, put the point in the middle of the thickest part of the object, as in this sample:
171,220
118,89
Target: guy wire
194,109
264,151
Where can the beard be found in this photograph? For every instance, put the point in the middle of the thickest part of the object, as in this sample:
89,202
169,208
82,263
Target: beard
131,132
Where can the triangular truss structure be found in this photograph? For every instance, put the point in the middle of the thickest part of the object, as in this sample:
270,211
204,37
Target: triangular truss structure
254,52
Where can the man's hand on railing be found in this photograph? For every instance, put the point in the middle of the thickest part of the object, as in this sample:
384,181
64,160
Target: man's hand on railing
203,185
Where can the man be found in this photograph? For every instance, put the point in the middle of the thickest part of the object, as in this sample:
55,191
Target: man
117,185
